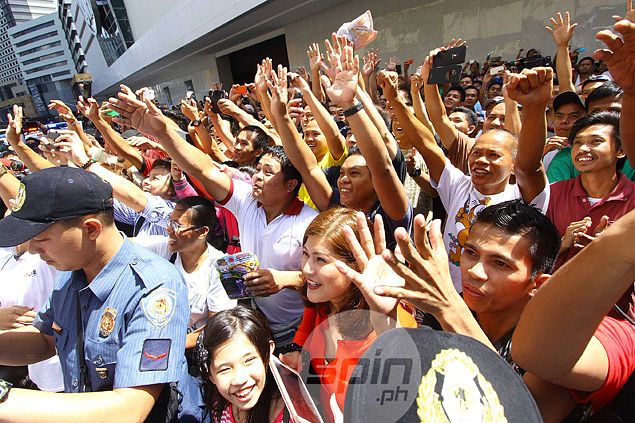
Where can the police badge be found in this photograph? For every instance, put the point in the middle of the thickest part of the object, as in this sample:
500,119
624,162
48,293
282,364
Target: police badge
107,322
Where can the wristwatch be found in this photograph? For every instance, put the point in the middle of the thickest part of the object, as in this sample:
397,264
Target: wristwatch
196,122
354,109
416,172
5,387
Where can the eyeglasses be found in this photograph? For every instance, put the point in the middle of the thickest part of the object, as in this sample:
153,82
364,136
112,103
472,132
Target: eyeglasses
177,227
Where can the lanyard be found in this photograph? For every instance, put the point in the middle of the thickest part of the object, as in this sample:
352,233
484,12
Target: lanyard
84,382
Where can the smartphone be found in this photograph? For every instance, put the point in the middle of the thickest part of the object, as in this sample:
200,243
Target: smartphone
496,70
453,56
232,268
149,95
52,135
241,89
445,75
214,96
294,393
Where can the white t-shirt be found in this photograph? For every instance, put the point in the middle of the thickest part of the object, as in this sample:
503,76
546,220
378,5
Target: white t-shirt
463,203
277,244
28,281
204,290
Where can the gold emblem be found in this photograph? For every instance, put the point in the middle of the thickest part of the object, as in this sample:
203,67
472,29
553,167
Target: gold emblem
465,393
102,372
107,322
19,199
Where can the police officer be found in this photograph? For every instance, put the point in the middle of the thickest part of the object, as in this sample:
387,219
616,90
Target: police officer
117,314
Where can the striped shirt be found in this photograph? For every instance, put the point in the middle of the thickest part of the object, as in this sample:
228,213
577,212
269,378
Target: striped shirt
134,316
154,217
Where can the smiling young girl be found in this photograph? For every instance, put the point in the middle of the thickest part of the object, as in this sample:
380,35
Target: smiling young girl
233,353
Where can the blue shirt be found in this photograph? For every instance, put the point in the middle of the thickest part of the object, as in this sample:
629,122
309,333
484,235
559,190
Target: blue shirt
134,315
155,215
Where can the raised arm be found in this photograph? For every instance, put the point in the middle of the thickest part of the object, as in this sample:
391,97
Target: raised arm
66,113
298,151
561,31
30,158
434,104
369,73
115,141
512,114
532,89
566,311
264,70
342,91
145,117
416,83
418,134
334,139
123,190
315,59
619,55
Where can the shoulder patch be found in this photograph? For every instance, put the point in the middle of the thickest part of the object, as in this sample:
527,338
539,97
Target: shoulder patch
159,306
155,355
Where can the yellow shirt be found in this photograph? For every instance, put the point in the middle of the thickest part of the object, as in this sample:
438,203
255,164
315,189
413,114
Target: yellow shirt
326,162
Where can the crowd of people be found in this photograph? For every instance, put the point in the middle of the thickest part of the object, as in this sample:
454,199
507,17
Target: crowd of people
374,200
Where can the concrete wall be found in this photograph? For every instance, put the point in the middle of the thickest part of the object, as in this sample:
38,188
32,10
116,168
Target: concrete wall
409,28
143,16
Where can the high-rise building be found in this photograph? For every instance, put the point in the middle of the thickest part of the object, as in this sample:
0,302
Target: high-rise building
45,60
13,12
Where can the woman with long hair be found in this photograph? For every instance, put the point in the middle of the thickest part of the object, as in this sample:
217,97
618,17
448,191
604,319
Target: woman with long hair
341,265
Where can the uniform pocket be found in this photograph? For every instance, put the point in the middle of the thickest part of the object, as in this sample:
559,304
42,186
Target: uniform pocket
101,359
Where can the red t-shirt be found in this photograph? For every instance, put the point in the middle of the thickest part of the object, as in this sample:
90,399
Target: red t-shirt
618,339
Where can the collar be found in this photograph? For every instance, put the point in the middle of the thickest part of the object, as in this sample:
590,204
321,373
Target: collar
293,209
106,279
621,192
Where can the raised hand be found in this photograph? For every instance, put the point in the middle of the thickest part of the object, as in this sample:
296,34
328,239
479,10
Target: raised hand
189,111
561,29
392,63
619,54
89,108
530,88
299,82
14,129
234,95
387,81
70,146
315,57
63,110
428,284
141,115
371,61
279,93
373,269
346,74
301,71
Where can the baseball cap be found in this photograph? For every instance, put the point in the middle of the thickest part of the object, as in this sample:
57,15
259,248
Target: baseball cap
412,375
51,195
567,97
595,78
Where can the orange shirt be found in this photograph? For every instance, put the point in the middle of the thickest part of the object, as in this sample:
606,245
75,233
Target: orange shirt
334,375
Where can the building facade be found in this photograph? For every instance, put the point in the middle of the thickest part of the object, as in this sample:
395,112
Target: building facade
45,60
187,45
12,13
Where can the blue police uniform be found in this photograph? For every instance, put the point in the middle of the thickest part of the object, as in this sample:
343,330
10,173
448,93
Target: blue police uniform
134,318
